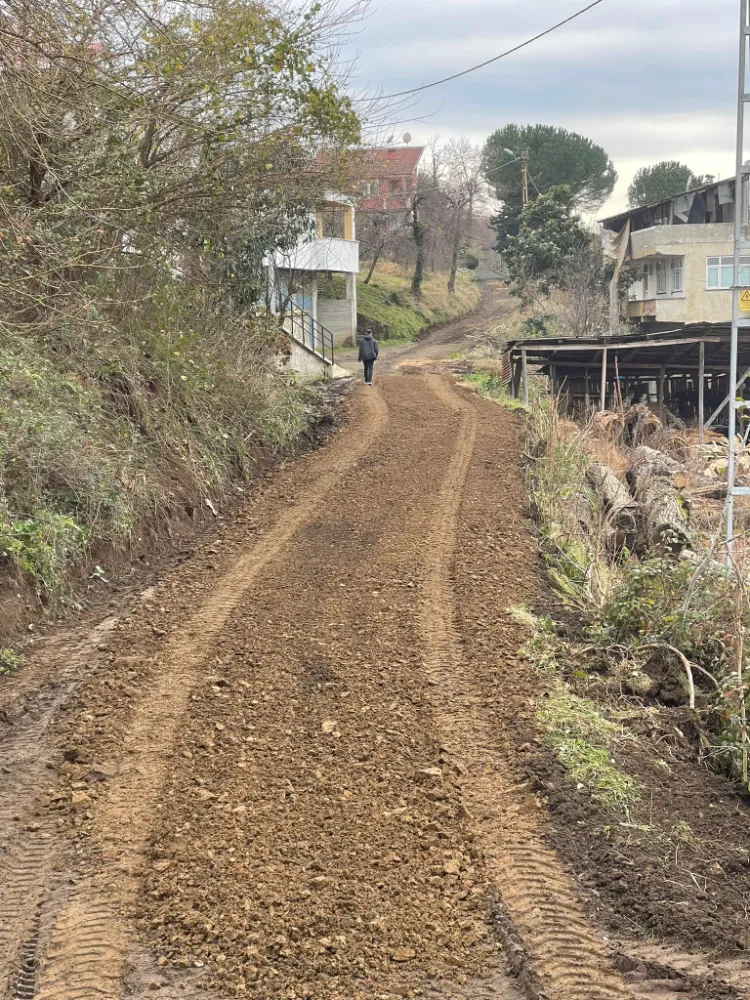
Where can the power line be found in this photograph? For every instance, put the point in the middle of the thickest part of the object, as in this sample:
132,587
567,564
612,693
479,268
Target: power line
533,182
472,69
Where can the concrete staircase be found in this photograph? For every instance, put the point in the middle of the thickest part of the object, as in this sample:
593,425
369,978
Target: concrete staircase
312,352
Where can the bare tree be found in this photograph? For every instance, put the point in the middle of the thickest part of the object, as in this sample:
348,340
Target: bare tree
382,235
462,187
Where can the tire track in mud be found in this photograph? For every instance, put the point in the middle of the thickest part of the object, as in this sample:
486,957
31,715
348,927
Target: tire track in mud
31,851
557,955
86,943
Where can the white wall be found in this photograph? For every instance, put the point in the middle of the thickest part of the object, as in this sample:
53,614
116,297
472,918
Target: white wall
307,364
336,315
694,243
324,254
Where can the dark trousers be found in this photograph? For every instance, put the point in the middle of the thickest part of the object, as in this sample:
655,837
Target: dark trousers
369,365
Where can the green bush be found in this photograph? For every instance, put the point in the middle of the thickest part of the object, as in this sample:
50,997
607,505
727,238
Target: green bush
649,606
43,547
534,327
10,661
98,433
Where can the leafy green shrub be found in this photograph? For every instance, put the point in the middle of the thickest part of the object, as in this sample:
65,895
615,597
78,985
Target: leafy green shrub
649,606
538,326
10,661
43,547
470,261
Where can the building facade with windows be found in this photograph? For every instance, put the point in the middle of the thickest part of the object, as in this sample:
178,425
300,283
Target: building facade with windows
385,180
317,279
679,253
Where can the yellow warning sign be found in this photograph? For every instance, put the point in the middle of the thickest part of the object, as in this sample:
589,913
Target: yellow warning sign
745,301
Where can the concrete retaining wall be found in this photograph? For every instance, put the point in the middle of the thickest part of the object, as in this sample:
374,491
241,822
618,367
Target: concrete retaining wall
306,363
336,315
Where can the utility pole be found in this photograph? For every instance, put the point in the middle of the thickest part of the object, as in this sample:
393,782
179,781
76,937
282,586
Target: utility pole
525,176
740,246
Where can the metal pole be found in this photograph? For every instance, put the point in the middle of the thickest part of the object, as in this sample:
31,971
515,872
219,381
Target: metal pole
662,372
525,176
525,377
715,415
587,390
603,387
701,386
739,218
553,380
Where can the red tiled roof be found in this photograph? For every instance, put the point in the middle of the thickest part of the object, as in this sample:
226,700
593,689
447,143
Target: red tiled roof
399,161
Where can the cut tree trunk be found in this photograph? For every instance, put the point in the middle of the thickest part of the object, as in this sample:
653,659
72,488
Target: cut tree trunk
620,509
664,513
577,510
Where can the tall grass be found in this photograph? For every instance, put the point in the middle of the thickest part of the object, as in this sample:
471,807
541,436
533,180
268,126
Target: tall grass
98,434
689,615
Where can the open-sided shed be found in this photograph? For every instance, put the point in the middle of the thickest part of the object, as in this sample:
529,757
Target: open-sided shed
681,372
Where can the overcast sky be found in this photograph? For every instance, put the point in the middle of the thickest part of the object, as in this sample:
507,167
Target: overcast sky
649,80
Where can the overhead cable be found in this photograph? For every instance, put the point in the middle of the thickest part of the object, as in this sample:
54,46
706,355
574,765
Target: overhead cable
487,62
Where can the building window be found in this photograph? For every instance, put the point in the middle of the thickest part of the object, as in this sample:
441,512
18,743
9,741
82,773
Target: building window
677,285
645,281
332,223
661,277
720,271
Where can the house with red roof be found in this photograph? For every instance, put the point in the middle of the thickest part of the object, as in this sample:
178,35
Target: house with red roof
384,180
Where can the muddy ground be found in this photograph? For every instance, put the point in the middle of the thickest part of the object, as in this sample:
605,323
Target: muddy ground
304,763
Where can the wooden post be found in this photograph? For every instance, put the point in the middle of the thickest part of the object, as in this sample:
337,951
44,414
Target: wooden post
587,390
525,377
603,389
662,373
701,379
516,379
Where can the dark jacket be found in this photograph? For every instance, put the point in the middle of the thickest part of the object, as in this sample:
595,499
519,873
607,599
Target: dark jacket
368,348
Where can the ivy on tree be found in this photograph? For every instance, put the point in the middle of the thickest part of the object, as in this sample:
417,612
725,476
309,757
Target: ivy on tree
549,234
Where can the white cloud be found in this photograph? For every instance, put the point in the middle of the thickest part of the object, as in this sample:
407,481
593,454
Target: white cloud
649,84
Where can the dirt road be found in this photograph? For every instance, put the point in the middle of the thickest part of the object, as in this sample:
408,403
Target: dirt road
292,769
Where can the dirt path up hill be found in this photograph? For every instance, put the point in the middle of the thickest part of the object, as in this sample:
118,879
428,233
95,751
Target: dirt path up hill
293,769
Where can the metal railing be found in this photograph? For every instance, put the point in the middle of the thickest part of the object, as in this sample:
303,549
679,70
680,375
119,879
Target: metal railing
302,327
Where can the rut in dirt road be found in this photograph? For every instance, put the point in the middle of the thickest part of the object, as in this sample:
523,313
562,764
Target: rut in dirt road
563,956
86,945
295,771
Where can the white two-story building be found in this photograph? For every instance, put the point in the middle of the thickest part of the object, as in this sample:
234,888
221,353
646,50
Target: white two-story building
320,313
681,252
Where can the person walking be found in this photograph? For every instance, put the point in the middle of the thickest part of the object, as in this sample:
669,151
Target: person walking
368,353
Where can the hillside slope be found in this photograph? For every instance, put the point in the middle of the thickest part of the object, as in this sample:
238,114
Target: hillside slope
387,306
107,446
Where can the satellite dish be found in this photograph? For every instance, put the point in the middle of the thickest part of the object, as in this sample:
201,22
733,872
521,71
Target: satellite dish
407,137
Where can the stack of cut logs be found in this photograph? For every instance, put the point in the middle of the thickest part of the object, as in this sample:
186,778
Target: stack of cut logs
652,513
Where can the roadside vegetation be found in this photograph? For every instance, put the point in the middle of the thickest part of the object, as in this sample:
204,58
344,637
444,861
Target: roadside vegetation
146,175
659,622
387,304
